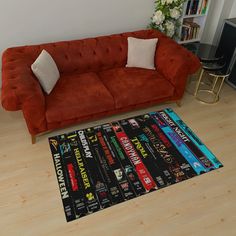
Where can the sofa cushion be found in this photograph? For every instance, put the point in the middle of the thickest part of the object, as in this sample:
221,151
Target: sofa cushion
130,86
141,53
77,95
46,71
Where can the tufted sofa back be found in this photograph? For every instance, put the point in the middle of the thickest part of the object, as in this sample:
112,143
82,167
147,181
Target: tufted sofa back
85,55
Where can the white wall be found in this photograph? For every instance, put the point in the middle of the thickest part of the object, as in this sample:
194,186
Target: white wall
219,11
225,14
233,10
212,21
36,21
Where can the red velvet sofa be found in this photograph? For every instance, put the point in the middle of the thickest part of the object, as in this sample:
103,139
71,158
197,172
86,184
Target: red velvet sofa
94,80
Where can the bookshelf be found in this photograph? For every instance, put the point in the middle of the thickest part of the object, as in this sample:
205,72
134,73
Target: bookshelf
193,20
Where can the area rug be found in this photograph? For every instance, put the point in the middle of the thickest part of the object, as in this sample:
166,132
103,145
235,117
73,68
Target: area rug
108,164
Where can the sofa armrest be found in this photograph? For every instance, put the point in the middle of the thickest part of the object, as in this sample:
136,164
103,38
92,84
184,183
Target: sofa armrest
21,91
176,64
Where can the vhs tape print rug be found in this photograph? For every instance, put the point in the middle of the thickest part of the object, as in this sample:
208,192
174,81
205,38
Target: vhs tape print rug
105,165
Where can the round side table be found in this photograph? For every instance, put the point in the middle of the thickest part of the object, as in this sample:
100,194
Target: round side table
214,70
206,53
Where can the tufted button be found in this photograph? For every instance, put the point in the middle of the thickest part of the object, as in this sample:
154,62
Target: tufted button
80,54
107,50
94,53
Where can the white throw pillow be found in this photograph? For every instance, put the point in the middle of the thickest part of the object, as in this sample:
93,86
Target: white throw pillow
45,69
141,53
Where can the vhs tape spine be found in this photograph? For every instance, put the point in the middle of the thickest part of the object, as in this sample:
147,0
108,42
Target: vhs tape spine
91,199
115,166
188,142
194,139
124,161
73,175
95,172
164,154
136,136
62,179
143,174
182,148
179,160
101,153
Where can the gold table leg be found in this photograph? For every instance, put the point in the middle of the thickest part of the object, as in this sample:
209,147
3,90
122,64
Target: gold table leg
214,83
219,89
212,90
198,82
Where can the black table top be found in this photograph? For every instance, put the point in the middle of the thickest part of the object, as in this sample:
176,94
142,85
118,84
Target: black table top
205,52
215,66
231,21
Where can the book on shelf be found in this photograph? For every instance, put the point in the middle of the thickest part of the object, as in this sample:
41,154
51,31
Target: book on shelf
190,30
188,7
204,7
196,7
199,7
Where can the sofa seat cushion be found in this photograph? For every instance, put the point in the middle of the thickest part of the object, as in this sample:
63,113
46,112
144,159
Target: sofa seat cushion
77,95
133,86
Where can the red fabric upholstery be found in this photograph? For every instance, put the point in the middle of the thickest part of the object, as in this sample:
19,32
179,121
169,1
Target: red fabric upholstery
175,63
77,61
130,86
65,123
21,91
77,95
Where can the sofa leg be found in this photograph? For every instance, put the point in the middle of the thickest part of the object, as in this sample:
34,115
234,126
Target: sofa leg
33,139
179,103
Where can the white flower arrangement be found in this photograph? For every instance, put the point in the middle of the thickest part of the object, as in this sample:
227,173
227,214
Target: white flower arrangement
166,16
158,17
170,28
175,13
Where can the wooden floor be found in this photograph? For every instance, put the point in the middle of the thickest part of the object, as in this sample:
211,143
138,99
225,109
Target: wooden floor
30,203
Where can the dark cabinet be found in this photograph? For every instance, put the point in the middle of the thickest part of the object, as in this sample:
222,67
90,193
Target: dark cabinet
227,48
